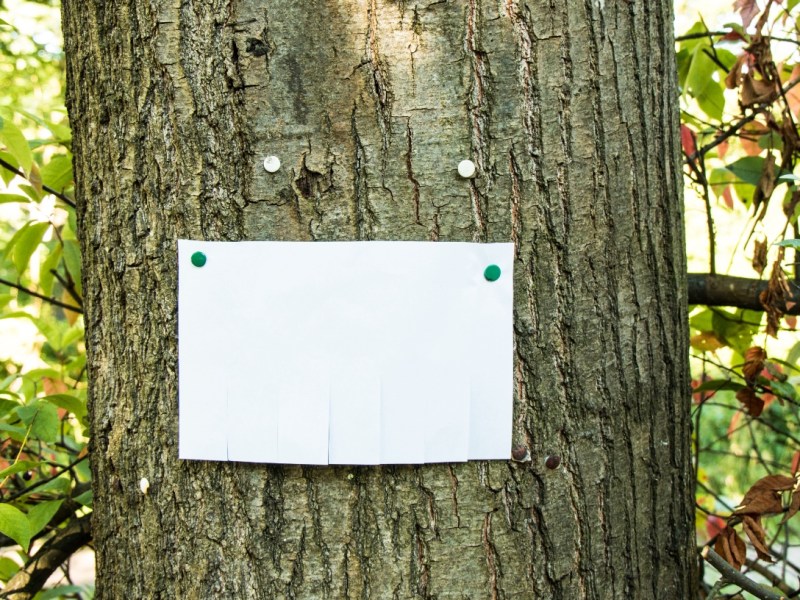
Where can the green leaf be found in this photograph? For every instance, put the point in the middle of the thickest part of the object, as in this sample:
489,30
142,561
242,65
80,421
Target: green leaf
16,432
712,100
693,42
42,418
783,389
14,524
32,193
736,329
8,198
59,485
15,143
25,245
60,131
46,277
63,591
8,568
718,385
18,467
684,59
794,354
748,169
72,260
68,402
46,425
703,320
6,406
701,71
57,173
789,243
7,175
39,516
85,499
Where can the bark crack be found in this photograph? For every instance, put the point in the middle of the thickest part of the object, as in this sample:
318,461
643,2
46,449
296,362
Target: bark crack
364,213
479,111
410,171
381,86
491,556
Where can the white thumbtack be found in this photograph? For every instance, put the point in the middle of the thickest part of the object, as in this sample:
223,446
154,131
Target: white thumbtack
272,164
466,168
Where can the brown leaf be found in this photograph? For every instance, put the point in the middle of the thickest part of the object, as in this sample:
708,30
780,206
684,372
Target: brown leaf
764,497
734,77
707,341
757,91
794,505
765,187
748,9
752,403
775,297
752,527
791,140
790,205
754,362
731,547
759,256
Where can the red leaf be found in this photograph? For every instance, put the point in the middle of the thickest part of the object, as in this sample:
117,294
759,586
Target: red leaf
714,526
727,197
732,36
795,462
791,321
688,140
722,147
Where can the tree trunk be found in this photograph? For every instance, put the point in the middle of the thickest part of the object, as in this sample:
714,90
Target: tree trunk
569,110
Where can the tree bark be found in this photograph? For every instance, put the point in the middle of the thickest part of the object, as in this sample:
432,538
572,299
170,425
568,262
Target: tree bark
569,110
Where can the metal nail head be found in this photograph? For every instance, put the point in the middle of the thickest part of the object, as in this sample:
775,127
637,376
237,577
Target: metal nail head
466,168
272,164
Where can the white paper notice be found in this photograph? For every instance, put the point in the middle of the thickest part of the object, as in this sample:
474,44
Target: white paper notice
345,352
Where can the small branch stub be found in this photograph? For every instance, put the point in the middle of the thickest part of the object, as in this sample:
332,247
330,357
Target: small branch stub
520,454
144,485
272,164
553,461
466,168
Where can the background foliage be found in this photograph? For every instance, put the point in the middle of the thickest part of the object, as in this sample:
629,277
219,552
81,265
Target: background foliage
44,474
740,102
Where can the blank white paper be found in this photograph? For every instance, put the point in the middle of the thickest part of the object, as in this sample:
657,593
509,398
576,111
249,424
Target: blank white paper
345,352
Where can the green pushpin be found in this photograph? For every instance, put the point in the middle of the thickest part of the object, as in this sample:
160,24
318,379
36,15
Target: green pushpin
492,273
199,259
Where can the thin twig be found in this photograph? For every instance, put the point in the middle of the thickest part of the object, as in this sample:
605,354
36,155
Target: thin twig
41,482
49,190
29,580
735,577
733,129
47,299
69,286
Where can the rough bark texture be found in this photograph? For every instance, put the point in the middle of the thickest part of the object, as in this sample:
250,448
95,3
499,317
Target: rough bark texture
568,109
